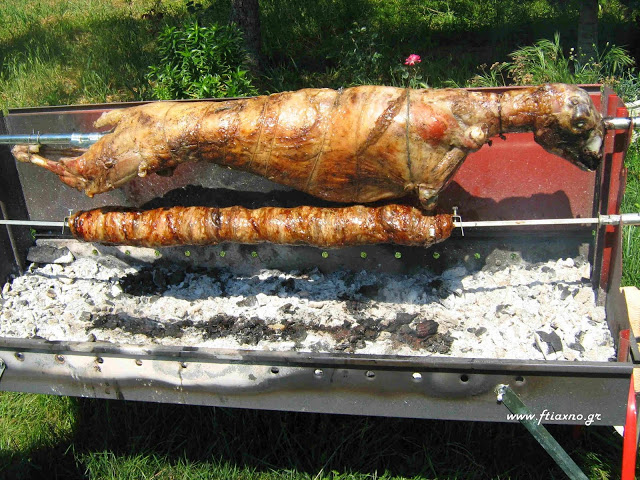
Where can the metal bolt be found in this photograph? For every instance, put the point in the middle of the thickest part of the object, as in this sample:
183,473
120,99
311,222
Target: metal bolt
275,370
318,372
59,358
370,374
138,362
19,356
99,359
183,364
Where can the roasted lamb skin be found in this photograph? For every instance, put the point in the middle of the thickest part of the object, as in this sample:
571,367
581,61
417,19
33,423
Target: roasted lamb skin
357,145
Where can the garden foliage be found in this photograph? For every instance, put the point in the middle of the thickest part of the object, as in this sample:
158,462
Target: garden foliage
200,62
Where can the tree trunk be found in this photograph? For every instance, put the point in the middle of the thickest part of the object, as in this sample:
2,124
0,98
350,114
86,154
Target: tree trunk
246,14
588,30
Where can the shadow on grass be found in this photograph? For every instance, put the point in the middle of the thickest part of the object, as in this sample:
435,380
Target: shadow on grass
172,437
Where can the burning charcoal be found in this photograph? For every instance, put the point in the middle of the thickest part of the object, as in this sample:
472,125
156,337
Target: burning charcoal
159,279
505,308
427,328
370,334
176,277
566,292
250,301
405,330
294,331
371,323
175,329
439,288
479,331
552,341
402,318
439,343
288,285
49,254
355,306
288,309
369,291
577,346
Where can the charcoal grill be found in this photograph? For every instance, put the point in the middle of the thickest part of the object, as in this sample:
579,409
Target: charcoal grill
509,180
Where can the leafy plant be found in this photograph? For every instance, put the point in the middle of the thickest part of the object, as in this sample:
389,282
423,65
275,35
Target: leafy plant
198,62
545,61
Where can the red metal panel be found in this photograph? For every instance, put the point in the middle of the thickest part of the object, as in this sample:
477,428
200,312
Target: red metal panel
517,179
614,179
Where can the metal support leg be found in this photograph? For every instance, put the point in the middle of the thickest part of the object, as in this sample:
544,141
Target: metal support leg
3,366
629,441
526,417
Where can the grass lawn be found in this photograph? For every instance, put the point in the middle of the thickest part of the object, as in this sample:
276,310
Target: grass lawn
61,52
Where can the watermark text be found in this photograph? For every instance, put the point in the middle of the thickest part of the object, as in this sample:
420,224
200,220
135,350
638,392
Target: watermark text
549,416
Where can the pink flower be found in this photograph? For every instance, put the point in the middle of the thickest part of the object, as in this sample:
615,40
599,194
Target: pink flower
412,59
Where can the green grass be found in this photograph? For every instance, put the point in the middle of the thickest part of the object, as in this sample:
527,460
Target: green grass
56,52
129,440
631,204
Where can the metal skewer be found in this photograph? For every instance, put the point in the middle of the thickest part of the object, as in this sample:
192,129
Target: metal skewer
87,139
624,219
73,139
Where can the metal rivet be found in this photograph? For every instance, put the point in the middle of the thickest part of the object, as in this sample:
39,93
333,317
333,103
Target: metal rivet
138,362
318,372
464,378
183,364
20,356
59,358
417,377
99,359
275,370
370,374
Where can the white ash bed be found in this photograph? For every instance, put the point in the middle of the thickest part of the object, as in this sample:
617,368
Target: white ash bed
535,311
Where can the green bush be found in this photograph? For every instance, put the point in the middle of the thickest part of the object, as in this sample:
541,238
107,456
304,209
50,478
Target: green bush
545,61
200,62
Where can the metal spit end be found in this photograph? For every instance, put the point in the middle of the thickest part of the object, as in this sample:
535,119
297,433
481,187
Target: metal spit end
500,391
621,123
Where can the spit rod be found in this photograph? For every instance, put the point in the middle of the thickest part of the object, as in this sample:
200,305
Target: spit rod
621,123
73,139
624,218
87,139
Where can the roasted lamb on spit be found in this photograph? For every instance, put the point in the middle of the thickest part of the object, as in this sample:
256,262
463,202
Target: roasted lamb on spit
355,145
